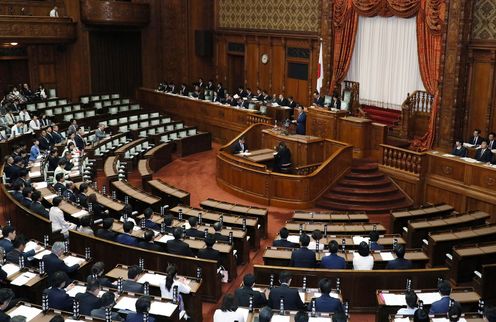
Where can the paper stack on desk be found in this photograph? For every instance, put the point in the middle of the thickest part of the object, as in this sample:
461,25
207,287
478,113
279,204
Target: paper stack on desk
153,279
23,278
73,260
26,311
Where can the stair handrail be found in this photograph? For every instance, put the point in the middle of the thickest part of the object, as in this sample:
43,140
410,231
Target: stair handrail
416,102
403,159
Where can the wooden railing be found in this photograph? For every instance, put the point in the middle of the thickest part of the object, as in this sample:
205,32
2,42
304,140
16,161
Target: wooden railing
306,170
354,88
402,159
416,106
255,119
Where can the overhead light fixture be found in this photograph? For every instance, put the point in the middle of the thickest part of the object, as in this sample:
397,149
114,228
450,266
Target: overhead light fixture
13,44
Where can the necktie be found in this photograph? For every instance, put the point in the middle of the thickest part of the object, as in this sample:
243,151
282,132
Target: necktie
475,140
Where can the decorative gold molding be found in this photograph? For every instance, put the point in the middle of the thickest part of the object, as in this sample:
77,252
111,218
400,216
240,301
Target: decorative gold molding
116,13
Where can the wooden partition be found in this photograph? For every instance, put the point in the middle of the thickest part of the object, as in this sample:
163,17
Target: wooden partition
358,287
253,181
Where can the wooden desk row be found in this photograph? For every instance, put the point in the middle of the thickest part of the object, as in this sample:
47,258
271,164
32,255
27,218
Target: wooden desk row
115,206
469,258
139,199
159,156
400,219
341,229
170,195
329,217
350,242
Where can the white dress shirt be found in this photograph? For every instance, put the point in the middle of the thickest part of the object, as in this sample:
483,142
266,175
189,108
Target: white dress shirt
24,116
221,316
363,262
181,288
54,13
34,125
58,222
16,131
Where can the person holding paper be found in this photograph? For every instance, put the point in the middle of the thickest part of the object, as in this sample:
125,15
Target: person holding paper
333,260
399,262
142,305
89,300
244,293
459,150
363,260
411,300
326,303
303,257
283,239
56,216
442,306
292,299
58,298
54,264
228,311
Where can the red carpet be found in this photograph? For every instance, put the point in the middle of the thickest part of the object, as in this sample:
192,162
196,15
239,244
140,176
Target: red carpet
382,115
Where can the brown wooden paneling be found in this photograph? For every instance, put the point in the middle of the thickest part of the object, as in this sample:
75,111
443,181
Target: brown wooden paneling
115,13
439,195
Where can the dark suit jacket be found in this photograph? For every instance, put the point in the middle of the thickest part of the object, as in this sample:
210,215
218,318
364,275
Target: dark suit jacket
462,152
59,299
44,143
193,232
152,225
4,317
100,314
284,243
127,239
26,202
59,187
79,141
326,303
441,306
57,138
54,264
491,145
106,234
220,237
303,257
150,246
178,247
333,261
376,246
138,317
69,195
53,163
237,148
6,244
487,156
282,157
14,254
132,286
243,294
336,104
88,302
292,300
478,141
319,101
399,263
301,124
18,195
209,253
38,208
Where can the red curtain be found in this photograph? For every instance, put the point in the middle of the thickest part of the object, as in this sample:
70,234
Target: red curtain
430,20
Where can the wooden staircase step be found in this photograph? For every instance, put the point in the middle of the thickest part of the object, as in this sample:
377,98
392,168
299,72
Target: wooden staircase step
356,183
365,176
360,199
380,208
362,191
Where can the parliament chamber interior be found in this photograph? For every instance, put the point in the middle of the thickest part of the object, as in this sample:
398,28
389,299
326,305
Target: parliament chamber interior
248,160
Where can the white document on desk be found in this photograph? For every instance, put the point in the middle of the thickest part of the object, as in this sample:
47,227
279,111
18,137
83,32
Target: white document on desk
31,245
40,185
280,318
73,260
387,256
294,239
23,278
126,303
394,299
10,269
429,298
358,239
153,279
165,238
319,319
80,214
40,255
50,197
27,311
402,319
162,308
446,320
75,290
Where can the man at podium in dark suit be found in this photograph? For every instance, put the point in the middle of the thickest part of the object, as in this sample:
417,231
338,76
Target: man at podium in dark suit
240,146
283,239
476,139
290,296
303,257
484,154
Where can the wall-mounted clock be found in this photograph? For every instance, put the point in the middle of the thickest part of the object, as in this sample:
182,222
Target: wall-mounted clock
265,58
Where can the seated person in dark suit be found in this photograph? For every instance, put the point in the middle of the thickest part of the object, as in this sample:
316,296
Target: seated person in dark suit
459,150
218,235
282,101
26,197
209,252
147,241
455,312
68,193
82,196
476,139
490,314
53,263
17,191
18,251
442,306
336,102
98,271
168,221
240,146
60,185
148,212
282,158
106,230
303,257
126,237
6,296
177,246
265,314
244,293
292,300
53,160
333,260
326,303
107,300
491,141
89,300
9,235
193,230
399,262
374,238
484,154
130,285
37,206
143,305
317,99
283,239
58,298
98,210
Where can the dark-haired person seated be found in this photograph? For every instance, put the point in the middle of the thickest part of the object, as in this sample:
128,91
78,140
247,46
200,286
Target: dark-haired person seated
282,159
98,271
82,196
455,312
9,235
411,300
59,186
326,303
37,206
303,257
333,260
58,298
265,314
399,262
89,300
6,296
56,216
68,193
228,310
240,146
442,306
292,299
491,141
130,284
374,241
421,316
317,99
459,150
142,305
218,235
168,221
209,252
126,237
148,212
147,241
244,293
18,251
106,230
484,154
177,246
26,197
364,261
476,139
193,230
283,239
107,301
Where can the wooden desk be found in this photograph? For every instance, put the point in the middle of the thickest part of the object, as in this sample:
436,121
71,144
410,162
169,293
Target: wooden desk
74,212
170,195
323,123
469,258
351,242
259,156
139,199
400,219
329,217
343,229
145,171
469,317
200,142
113,205
159,155
356,131
110,169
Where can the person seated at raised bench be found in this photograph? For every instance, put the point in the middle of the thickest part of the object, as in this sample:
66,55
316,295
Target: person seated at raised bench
240,146
363,260
326,303
292,299
459,150
374,241
399,262
177,246
484,154
333,260
244,293
303,257
411,300
283,239
442,306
